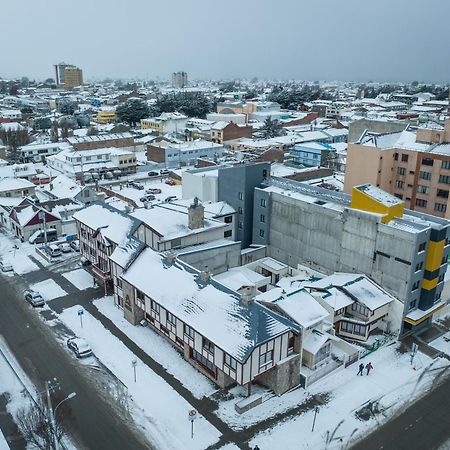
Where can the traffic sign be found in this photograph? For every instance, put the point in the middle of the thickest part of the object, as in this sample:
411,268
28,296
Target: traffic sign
192,415
80,312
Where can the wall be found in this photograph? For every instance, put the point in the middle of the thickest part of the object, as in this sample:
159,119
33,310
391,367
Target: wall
202,186
356,128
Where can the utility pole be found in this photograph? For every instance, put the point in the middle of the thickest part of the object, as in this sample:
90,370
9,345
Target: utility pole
55,444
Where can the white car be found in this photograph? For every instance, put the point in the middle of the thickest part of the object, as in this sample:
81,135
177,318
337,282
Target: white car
79,346
33,298
5,266
65,247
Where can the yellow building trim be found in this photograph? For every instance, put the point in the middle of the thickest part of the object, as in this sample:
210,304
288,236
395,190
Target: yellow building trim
435,253
429,284
365,202
416,322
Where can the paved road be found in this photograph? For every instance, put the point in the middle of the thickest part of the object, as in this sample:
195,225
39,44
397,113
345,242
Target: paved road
425,425
94,423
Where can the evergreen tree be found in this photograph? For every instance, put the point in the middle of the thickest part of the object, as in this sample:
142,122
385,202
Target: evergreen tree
132,111
272,128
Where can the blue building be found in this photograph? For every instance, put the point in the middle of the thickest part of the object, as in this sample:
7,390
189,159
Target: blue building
311,154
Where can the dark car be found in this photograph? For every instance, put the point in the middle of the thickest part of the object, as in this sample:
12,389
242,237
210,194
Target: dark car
84,261
152,173
137,185
153,191
147,198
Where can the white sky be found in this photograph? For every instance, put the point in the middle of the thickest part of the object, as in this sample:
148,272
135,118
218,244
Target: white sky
385,40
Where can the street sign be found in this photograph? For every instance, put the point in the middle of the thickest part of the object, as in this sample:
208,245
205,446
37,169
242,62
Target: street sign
192,415
80,315
41,215
80,312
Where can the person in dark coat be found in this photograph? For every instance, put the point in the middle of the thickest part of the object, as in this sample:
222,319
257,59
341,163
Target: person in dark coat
368,367
256,447
361,368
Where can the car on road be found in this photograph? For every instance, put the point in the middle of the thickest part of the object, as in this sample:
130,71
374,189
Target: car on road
33,298
65,247
137,185
5,266
52,250
85,262
164,172
170,182
79,346
152,173
170,198
153,191
147,198
75,245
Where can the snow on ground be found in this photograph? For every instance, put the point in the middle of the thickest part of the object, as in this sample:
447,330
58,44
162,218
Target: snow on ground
79,278
229,447
157,407
17,257
393,383
159,349
3,444
49,289
442,343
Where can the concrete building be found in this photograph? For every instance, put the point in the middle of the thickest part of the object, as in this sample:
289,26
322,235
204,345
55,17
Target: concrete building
16,187
59,72
39,152
357,127
179,80
119,140
412,165
187,153
226,131
173,122
73,77
106,115
202,183
236,187
312,154
369,232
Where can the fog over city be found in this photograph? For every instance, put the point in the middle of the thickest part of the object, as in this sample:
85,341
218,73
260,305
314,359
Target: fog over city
386,40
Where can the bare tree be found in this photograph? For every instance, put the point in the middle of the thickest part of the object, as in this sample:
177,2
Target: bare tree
33,421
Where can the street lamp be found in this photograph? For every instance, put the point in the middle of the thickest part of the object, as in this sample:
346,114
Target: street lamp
71,395
52,413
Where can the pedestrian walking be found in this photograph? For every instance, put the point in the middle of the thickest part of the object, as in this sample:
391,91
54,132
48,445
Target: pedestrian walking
361,368
256,447
95,281
369,367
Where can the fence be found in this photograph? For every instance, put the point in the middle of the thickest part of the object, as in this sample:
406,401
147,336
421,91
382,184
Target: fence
376,345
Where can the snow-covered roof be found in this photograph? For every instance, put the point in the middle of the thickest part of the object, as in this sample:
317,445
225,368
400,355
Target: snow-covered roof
314,341
212,310
11,184
239,277
114,224
63,187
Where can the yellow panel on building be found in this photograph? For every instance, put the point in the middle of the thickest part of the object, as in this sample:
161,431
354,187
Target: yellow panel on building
367,197
435,253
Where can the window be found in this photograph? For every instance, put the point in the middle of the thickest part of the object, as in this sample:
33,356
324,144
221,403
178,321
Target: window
405,158
227,234
228,219
419,266
423,189
240,210
427,162
445,179
401,170
399,184
400,196
208,365
396,156
240,225
261,233
265,358
230,362
421,202
445,164
291,342
415,286
189,331
412,305
262,218
263,202
119,282
171,318
440,207
208,345
264,173
360,308
241,195
140,296
442,193
425,175
154,306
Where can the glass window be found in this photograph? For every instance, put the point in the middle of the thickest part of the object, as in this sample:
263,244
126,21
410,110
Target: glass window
189,331
230,362
425,175
265,358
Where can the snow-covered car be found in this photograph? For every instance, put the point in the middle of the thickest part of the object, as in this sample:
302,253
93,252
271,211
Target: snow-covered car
79,346
85,262
170,198
147,198
75,245
65,247
33,298
153,191
5,266
137,185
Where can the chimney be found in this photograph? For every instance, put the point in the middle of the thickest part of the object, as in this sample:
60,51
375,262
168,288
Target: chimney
205,275
196,215
248,294
171,257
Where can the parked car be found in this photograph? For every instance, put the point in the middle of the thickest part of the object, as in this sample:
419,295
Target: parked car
137,185
85,262
170,198
164,172
153,191
65,247
152,173
79,346
52,250
147,198
34,298
5,266
75,245
170,182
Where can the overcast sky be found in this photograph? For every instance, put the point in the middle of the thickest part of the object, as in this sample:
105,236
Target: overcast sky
362,40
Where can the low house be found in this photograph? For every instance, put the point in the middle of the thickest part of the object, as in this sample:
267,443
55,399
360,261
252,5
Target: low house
27,218
359,306
16,187
227,131
65,187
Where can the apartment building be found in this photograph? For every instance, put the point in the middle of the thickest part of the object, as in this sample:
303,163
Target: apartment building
368,232
172,122
412,165
179,79
119,140
39,152
73,77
